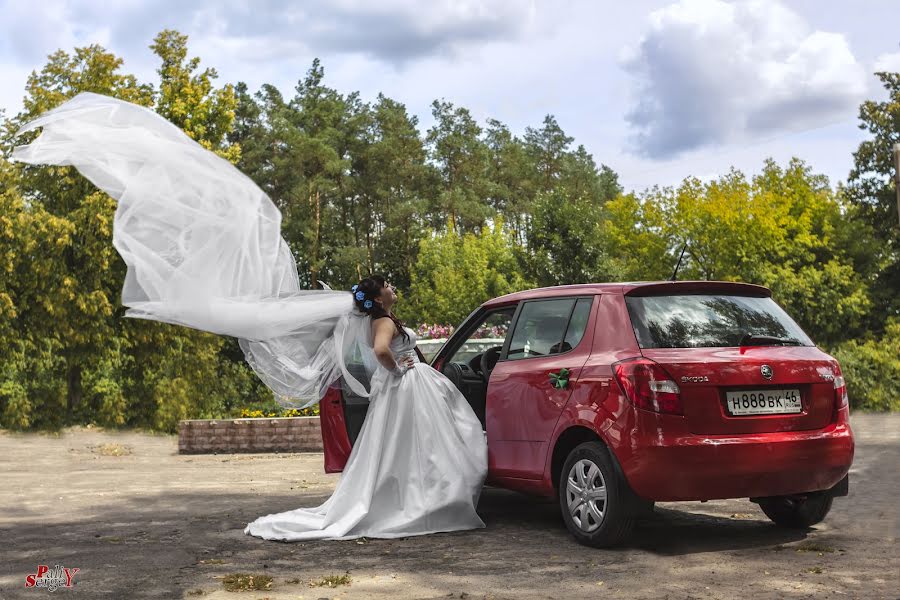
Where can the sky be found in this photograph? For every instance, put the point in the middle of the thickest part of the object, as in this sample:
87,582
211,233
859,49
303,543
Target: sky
657,90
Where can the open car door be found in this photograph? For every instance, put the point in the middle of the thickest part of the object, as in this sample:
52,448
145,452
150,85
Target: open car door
341,415
335,440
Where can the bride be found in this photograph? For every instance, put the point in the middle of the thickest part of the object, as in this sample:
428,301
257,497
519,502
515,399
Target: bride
420,459
203,248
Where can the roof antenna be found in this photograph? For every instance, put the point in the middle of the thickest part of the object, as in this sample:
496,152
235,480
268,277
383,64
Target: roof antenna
675,272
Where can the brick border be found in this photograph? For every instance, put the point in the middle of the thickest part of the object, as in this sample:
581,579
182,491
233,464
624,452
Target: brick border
268,434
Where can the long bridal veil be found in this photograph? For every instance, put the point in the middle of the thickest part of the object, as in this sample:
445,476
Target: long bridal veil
203,246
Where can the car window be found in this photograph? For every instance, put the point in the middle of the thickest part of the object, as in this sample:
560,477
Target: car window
542,326
577,324
489,334
709,320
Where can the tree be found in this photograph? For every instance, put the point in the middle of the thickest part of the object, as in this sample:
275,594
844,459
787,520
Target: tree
461,159
453,274
513,178
189,99
871,189
548,148
565,231
393,177
564,240
785,229
32,371
72,358
71,301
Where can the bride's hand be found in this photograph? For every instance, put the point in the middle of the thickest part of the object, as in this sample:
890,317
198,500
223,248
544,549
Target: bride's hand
403,365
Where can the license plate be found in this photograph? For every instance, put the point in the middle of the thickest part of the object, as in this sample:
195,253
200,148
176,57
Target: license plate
763,402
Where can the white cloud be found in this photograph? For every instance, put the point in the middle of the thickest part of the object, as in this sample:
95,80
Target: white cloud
710,72
888,62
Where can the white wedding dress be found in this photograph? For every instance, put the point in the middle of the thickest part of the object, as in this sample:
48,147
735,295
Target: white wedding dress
203,247
417,466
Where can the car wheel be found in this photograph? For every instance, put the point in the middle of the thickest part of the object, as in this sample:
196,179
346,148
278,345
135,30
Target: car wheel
797,511
590,497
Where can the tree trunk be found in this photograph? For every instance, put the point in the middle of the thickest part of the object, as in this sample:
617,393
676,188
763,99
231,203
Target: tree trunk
314,263
73,393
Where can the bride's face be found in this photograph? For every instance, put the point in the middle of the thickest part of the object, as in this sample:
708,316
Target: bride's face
388,296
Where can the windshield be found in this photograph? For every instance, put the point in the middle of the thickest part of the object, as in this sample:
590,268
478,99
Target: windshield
699,321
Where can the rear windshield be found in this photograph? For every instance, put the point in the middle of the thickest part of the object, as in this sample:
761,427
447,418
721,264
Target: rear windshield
702,321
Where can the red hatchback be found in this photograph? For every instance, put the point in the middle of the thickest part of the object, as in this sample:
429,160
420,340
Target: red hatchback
611,397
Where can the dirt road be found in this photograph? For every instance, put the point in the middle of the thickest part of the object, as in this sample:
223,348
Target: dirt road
141,521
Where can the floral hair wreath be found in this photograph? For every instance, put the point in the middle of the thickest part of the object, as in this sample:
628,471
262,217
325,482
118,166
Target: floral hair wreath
360,296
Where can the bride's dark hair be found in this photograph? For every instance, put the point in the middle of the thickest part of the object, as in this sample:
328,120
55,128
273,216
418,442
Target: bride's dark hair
364,294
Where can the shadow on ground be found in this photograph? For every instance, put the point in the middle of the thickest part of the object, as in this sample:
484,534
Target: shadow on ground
162,545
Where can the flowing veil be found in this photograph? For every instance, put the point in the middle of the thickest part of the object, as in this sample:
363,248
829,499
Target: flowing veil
203,246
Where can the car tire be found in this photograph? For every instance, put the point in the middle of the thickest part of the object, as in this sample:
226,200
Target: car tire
591,497
797,512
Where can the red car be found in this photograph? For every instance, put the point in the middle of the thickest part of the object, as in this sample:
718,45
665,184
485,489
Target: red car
611,397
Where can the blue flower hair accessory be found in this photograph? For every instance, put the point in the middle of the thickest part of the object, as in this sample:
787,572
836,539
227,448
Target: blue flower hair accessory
355,286
360,296
367,304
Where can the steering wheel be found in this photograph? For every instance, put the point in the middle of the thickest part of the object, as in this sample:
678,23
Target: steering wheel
491,355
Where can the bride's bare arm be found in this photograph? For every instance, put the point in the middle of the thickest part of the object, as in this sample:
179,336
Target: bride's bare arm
383,334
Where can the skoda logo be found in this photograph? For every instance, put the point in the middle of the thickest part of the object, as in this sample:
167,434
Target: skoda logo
766,371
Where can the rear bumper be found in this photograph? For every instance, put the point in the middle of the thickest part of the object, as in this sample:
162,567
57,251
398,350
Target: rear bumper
696,467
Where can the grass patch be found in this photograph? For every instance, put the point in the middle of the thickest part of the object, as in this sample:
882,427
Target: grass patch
240,582
112,450
197,592
816,570
332,581
111,539
211,561
814,547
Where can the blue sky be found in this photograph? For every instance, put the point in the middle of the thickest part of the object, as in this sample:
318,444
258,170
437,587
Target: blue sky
657,90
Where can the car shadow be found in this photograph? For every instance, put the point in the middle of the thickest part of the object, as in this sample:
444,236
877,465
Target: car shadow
674,532
670,530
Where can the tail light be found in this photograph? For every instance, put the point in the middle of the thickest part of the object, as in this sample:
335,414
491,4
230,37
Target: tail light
841,399
647,385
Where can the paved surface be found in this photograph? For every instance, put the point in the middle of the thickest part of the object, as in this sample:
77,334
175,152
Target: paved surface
154,524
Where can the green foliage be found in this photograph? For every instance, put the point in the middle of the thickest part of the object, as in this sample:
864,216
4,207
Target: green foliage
32,385
784,229
453,274
71,357
871,368
564,239
461,159
190,100
872,189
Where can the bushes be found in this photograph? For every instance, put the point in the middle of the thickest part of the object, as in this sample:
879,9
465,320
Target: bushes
872,370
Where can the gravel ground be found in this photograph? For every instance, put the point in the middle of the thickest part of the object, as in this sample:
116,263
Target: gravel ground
141,521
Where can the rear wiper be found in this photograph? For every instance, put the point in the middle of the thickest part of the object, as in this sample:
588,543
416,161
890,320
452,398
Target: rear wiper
763,340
